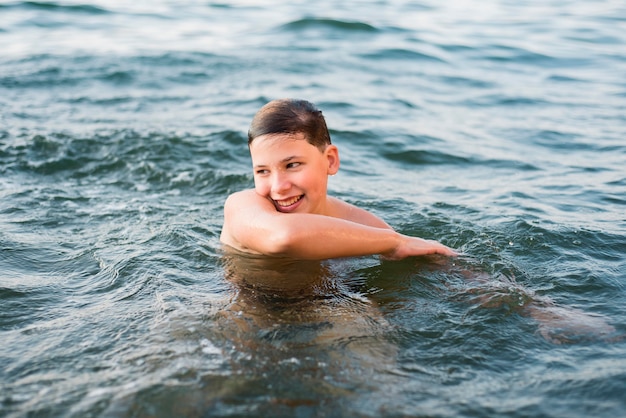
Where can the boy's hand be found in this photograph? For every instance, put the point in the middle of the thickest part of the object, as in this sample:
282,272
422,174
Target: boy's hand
413,246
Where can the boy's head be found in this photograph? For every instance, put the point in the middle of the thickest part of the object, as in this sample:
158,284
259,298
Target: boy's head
291,116
292,156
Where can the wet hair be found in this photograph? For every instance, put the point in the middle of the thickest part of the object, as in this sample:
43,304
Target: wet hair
291,116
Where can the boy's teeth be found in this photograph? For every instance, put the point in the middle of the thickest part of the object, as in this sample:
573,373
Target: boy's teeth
288,202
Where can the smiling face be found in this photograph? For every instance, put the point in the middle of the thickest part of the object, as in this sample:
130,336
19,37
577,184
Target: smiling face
292,173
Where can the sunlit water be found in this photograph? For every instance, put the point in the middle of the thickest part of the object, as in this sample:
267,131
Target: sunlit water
496,127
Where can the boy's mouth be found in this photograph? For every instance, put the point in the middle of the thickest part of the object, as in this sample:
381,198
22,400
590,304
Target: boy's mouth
287,203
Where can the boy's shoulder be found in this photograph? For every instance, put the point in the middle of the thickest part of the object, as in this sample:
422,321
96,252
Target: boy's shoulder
350,212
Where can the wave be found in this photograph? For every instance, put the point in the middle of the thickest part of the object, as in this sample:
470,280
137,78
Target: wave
144,71
342,26
510,54
501,99
434,157
401,54
56,7
464,81
132,160
44,76
420,157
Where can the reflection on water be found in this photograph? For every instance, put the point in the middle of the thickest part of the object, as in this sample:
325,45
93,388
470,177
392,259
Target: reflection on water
283,303
304,331
558,324
291,319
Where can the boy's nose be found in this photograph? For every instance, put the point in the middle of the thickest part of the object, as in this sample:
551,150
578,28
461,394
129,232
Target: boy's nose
280,184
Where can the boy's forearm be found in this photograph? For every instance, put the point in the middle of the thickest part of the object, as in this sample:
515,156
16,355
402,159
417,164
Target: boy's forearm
319,237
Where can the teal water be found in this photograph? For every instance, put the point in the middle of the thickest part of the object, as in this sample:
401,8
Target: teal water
495,127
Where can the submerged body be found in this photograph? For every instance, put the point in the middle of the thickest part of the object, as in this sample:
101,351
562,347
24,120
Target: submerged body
289,214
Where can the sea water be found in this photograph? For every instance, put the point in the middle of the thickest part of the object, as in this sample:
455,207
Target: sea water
496,127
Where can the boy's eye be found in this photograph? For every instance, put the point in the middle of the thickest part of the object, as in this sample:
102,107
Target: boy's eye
293,165
261,171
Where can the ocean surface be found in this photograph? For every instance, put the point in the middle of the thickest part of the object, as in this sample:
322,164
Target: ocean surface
497,127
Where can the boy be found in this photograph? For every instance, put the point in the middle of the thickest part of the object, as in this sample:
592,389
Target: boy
288,213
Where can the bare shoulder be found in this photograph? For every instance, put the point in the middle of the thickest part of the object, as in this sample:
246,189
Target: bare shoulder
350,212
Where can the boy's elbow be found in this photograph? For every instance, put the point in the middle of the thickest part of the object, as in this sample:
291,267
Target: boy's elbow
279,243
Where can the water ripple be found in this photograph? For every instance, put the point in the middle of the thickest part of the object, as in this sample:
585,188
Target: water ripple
56,7
497,131
340,26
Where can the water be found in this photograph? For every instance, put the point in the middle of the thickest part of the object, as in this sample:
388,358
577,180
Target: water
495,127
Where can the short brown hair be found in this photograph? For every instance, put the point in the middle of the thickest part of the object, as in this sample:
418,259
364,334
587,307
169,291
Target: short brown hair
291,116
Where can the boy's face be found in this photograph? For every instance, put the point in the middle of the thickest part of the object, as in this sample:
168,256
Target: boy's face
292,173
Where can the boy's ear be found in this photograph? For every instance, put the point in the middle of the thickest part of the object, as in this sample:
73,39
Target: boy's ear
332,155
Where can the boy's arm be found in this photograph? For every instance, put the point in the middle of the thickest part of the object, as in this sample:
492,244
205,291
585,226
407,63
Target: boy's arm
253,224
